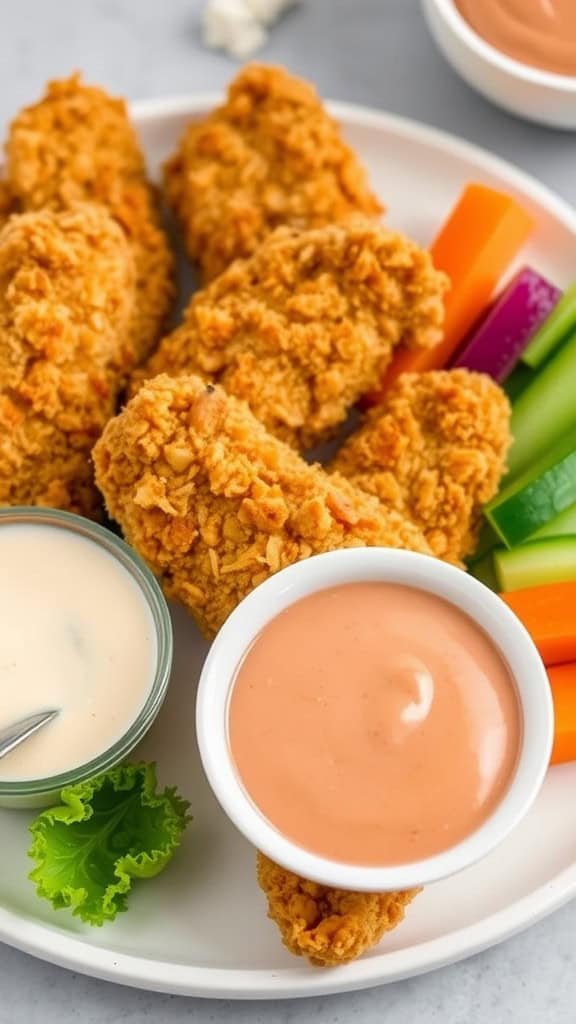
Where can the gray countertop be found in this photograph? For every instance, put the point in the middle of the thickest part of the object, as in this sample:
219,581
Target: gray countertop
375,52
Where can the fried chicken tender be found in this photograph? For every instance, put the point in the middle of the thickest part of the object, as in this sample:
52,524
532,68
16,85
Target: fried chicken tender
435,451
66,306
270,155
215,504
307,324
328,926
77,143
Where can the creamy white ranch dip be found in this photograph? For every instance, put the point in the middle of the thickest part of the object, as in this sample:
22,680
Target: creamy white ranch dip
76,633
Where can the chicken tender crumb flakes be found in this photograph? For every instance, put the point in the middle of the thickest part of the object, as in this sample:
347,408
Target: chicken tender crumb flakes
305,327
435,451
328,926
271,155
244,496
77,144
6,201
66,303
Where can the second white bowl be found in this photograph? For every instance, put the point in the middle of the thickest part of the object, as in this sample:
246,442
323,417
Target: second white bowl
350,566
523,90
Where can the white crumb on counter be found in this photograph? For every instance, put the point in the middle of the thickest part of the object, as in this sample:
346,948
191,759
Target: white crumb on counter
239,26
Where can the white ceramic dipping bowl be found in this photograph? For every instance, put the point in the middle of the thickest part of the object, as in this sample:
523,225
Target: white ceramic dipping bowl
350,566
530,93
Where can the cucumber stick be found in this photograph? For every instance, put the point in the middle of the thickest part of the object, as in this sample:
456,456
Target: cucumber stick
545,411
550,560
559,324
537,496
559,526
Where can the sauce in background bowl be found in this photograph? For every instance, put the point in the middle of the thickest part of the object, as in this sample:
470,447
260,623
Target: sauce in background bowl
373,723
84,628
520,83
539,33
517,771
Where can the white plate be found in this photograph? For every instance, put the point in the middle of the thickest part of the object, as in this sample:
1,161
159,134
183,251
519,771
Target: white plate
200,929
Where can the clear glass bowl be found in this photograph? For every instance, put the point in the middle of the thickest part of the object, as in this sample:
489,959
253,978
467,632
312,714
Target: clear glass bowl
41,792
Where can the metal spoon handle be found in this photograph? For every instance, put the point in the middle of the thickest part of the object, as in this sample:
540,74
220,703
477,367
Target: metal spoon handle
14,734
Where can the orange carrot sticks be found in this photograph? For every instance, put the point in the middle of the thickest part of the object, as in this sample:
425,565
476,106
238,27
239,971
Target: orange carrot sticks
481,237
563,684
549,614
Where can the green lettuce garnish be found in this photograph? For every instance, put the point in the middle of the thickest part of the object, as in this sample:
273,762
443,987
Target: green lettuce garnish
105,832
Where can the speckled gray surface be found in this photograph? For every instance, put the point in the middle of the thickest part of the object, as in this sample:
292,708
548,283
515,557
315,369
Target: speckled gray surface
369,51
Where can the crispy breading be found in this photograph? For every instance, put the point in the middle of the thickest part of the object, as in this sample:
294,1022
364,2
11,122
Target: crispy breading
270,155
435,451
215,504
6,201
77,143
307,324
328,926
66,304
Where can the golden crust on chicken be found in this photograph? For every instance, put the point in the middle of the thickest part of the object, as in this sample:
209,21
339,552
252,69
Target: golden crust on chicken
270,155
328,926
66,304
215,504
6,201
305,326
78,144
435,451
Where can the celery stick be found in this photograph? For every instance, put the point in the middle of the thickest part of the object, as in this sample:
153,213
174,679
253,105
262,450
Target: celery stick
550,560
559,324
545,411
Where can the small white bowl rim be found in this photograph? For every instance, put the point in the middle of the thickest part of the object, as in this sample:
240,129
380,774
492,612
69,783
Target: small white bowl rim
350,565
469,37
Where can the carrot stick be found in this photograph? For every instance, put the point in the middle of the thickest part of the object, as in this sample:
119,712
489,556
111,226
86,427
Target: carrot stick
549,614
563,684
477,243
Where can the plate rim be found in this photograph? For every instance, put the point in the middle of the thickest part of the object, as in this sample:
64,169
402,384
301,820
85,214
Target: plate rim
290,982
45,942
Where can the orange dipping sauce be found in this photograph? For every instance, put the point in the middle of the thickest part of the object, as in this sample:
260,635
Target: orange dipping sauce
541,33
374,724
